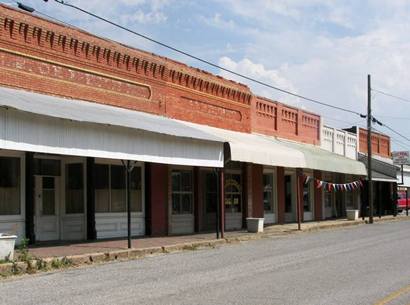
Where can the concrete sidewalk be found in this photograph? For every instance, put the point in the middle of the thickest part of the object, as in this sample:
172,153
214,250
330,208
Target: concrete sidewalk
106,246
45,257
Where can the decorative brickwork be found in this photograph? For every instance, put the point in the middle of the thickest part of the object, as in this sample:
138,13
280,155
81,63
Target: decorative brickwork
48,57
276,119
380,143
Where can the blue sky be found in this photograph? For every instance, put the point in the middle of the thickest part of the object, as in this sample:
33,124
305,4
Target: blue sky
322,49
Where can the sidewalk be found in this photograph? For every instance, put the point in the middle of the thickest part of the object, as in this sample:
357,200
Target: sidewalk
50,256
106,246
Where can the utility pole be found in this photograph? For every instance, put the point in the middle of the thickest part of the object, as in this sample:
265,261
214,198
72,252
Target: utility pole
369,148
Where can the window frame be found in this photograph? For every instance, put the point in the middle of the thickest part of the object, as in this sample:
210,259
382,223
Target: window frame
311,194
274,203
66,163
234,172
180,192
110,162
22,215
204,173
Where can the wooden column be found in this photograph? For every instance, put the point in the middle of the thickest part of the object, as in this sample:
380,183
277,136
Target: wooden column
29,171
222,201
257,191
281,194
318,210
245,191
197,213
91,230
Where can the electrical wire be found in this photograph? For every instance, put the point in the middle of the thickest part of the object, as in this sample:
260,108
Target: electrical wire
207,62
233,72
392,95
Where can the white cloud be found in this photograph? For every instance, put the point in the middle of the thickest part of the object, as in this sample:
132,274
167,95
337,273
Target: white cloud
257,71
218,21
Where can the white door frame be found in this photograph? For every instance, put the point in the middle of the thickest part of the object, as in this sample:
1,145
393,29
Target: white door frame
309,216
291,217
328,212
74,217
208,220
233,220
271,218
39,218
181,223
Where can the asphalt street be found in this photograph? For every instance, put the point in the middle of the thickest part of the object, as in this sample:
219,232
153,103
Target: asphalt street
367,264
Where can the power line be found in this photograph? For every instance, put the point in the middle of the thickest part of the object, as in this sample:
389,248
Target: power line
207,62
394,117
393,139
225,69
393,96
396,132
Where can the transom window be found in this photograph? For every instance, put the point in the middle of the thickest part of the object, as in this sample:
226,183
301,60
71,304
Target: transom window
9,186
182,191
110,190
233,193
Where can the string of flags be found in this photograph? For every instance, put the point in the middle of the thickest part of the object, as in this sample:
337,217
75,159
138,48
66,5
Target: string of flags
333,187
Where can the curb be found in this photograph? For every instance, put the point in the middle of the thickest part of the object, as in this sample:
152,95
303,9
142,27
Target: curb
53,263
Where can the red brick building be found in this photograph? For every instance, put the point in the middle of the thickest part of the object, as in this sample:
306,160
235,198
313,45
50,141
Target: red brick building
76,106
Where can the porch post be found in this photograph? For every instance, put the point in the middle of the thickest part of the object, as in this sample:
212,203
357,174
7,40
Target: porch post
298,197
218,198
30,234
127,186
91,230
222,200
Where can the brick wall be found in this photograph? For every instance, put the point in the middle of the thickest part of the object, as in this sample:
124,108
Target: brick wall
158,199
48,57
380,143
257,191
276,119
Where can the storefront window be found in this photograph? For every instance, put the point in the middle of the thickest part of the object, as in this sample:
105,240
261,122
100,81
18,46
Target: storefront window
307,204
288,194
233,193
349,199
182,192
102,189
74,188
328,199
136,190
9,186
118,192
110,189
211,196
268,193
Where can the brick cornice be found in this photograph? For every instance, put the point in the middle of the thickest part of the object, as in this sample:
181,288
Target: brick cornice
45,39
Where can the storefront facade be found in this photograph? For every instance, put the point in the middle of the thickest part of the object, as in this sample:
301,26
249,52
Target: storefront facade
204,150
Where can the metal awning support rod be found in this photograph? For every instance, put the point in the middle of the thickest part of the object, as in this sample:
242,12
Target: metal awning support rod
218,198
128,167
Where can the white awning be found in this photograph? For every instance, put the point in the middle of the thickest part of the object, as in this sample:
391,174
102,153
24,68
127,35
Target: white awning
320,159
49,124
270,151
254,148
